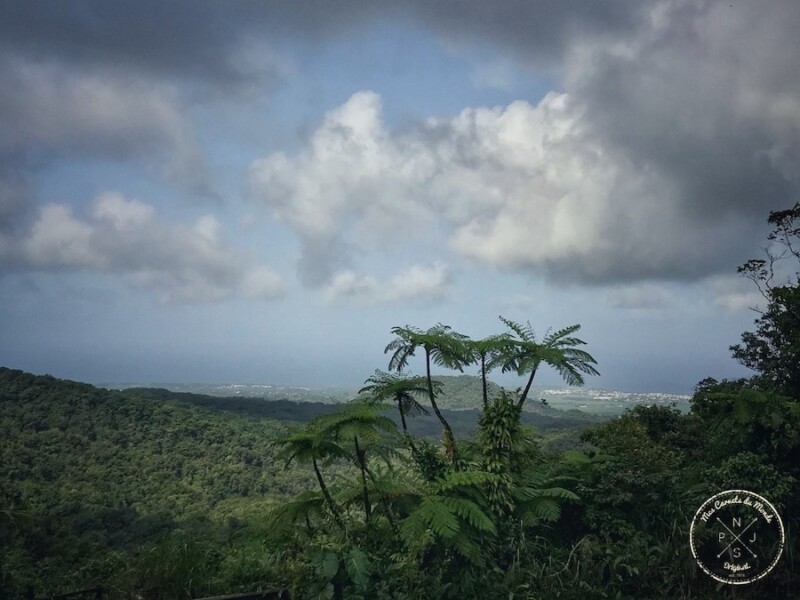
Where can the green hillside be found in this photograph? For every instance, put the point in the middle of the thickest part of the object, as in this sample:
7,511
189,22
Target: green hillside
85,470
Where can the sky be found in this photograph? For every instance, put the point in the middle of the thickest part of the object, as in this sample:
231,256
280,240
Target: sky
257,192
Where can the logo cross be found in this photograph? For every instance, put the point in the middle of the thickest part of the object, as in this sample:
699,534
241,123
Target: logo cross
736,538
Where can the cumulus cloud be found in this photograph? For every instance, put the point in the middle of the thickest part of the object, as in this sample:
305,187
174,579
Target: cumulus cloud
670,138
415,284
518,187
179,263
352,171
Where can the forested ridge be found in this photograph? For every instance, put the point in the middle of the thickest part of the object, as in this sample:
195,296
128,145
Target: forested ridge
91,477
165,496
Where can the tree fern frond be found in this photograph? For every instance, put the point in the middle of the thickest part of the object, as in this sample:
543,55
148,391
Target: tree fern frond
466,547
411,407
523,332
304,505
545,509
552,338
437,516
414,529
530,493
470,512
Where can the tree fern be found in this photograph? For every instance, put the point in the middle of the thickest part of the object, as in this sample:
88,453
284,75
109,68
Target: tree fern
306,507
401,390
443,347
557,349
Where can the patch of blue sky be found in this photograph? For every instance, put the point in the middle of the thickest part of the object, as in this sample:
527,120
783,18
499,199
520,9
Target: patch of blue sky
415,74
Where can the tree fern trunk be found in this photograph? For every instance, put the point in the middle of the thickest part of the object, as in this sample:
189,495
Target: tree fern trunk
483,377
527,388
402,416
327,495
362,462
449,440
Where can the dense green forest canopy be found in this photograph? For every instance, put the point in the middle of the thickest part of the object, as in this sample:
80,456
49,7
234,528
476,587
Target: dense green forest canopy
170,496
92,477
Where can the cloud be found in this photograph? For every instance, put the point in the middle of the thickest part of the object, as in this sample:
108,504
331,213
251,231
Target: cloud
522,187
54,113
415,284
58,239
352,172
735,293
674,130
703,96
199,41
179,263
538,33
670,139
642,296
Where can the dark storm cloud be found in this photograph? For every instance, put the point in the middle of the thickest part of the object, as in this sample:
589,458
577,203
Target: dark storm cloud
321,258
165,38
537,32
187,39
199,38
706,97
696,105
699,101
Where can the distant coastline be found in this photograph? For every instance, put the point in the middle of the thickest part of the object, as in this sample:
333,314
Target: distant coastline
594,401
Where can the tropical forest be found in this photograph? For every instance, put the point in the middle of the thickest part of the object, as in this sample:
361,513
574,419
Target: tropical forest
396,494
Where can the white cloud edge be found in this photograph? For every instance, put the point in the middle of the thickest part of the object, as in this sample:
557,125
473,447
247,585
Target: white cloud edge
125,238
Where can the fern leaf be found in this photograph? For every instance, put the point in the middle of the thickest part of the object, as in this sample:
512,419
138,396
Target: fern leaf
470,512
545,509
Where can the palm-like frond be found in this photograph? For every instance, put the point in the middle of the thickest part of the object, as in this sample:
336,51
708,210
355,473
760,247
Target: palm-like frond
402,347
524,332
401,389
357,417
558,349
360,427
470,512
451,510
493,348
303,506
541,509
537,498
436,515
446,348
307,444
443,347
462,480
